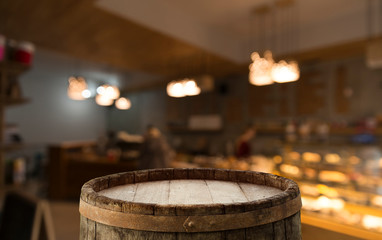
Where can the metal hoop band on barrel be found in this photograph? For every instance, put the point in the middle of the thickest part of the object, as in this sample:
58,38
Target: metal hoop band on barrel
206,223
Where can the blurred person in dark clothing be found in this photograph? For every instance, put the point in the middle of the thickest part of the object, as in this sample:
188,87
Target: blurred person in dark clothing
155,151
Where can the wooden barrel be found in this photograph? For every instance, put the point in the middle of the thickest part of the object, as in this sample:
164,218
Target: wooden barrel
190,204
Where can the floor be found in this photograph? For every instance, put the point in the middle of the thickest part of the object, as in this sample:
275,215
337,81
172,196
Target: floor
66,220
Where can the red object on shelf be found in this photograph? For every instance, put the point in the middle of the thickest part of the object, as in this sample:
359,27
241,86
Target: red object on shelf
24,53
2,47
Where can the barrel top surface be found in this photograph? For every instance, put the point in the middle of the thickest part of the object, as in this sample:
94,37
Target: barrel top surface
190,200
189,192
195,188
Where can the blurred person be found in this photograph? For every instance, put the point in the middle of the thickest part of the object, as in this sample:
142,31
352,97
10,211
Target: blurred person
243,145
155,151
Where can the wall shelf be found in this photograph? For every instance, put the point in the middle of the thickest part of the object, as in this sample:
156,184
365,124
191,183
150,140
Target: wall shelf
186,130
12,67
9,71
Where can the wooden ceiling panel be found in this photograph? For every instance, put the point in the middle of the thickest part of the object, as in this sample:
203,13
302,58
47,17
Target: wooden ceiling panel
80,29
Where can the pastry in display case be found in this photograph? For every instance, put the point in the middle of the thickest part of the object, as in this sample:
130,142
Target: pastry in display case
341,184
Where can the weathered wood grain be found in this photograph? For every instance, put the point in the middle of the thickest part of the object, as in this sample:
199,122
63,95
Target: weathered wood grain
187,192
226,192
152,192
293,227
123,192
262,232
200,236
187,195
256,192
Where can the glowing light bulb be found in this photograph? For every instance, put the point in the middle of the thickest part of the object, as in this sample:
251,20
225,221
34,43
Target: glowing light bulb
123,103
103,100
283,72
175,89
86,93
260,69
76,86
101,90
190,88
323,202
112,92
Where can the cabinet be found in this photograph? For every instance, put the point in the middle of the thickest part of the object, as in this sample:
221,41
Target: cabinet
10,94
72,164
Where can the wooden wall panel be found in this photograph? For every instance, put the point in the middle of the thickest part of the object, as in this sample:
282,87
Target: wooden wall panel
284,109
341,102
308,98
234,110
259,100
197,104
176,110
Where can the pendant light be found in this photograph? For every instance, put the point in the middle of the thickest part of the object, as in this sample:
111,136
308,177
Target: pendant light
183,88
260,69
77,88
265,71
123,103
103,100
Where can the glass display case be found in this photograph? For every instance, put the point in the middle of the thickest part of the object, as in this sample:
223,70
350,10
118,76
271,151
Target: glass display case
340,184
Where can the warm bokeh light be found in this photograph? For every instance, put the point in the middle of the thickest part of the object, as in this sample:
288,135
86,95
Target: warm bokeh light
182,88
322,203
264,71
76,87
101,90
260,69
290,170
86,93
103,100
175,89
283,72
311,157
377,201
332,158
327,191
372,222
112,92
190,88
123,103
108,91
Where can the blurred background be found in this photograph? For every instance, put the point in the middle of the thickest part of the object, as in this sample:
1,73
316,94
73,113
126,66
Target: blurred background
288,87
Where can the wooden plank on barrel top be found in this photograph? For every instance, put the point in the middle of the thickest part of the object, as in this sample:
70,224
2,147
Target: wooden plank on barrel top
225,192
123,192
194,192
189,192
152,192
254,192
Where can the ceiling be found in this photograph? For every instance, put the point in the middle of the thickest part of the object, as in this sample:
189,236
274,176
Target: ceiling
226,27
169,38
80,29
